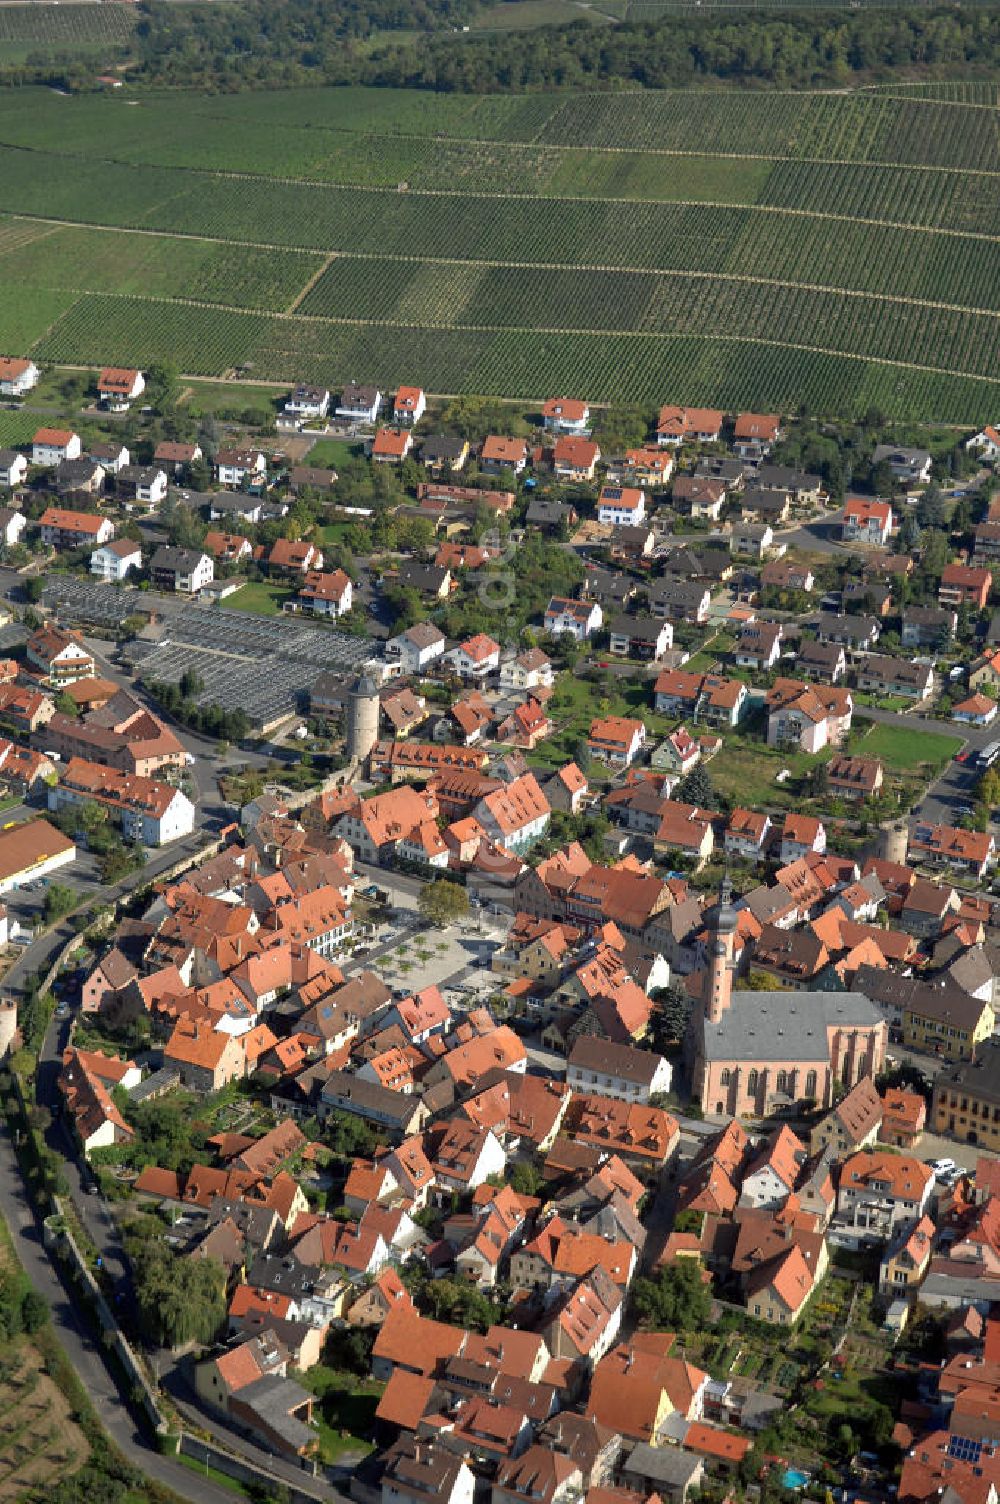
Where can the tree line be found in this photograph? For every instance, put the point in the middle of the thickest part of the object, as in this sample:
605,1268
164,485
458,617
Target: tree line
259,44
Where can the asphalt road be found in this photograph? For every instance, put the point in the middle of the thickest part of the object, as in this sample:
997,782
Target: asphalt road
83,1351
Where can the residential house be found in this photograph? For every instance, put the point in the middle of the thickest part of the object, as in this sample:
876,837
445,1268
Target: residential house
965,585
147,811
175,457
681,425
700,496
751,539
800,835
941,1018
566,415
747,834
82,477
904,1117
755,435
360,404
50,446
786,574
622,506
409,406
908,466
644,637
905,1263
880,1192
64,529
807,716
852,1123
927,627
580,619
416,647
531,669
971,851
13,469
680,600
881,675
759,646
577,459
240,467
822,661
307,402
854,777
118,388
391,446
616,740
183,571
59,656
857,634
206,1059
17,376
711,698
977,710
144,484
476,658
113,561
867,521
607,1069
500,453
329,594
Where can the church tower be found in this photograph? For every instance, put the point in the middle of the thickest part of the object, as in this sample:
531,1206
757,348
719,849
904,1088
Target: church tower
719,983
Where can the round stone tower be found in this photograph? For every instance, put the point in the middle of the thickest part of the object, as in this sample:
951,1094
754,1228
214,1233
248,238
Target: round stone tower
362,716
895,838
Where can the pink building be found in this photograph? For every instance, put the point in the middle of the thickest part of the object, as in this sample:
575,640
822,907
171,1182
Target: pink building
752,1052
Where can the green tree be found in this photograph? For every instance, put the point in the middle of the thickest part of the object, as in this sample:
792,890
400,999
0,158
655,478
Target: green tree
930,508
676,1300
59,900
696,788
66,705
442,902
671,1013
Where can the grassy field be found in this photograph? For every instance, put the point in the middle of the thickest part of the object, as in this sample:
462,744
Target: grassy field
328,454
754,249
907,751
259,597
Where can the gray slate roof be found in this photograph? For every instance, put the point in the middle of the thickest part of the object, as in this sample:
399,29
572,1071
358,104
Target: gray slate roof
784,1025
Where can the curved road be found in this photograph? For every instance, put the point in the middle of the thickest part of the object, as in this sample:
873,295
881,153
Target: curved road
84,1352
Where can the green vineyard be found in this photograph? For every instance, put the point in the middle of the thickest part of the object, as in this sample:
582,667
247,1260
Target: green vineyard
839,250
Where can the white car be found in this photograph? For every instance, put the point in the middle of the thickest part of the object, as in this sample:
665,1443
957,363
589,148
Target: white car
189,758
942,1168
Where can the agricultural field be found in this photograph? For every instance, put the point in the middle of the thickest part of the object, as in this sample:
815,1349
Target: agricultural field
758,250
64,30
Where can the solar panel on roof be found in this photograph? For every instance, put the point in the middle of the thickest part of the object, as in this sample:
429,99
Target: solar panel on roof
964,1449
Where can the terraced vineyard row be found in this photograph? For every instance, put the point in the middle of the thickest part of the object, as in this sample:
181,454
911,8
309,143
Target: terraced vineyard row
87,260
747,241
41,26
512,362
530,298
288,133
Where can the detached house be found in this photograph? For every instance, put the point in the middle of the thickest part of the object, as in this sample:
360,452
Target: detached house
579,619
113,561
50,446
391,446
239,467
911,466
181,570
499,453
621,505
801,835
476,658
59,656
566,415
17,376
681,425
118,388
360,404
882,675
965,585
755,435
867,521
145,484
616,740
808,716
970,851
13,468
409,406
307,402
64,529
854,777
642,637
576,459
759,645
